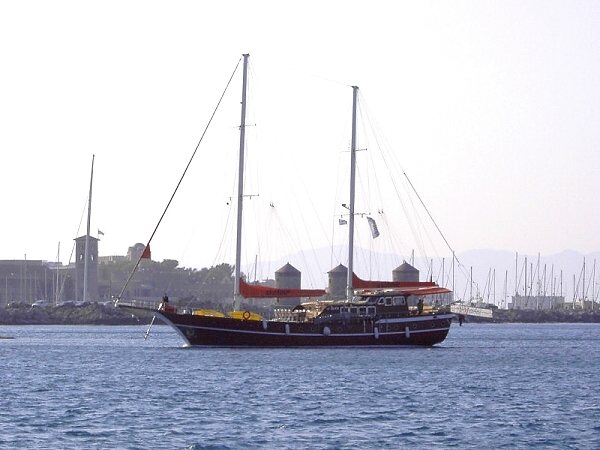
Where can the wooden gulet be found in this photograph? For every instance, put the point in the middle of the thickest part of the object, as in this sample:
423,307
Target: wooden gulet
374,313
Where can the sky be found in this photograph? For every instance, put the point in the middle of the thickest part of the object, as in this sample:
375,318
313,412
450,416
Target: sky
490,108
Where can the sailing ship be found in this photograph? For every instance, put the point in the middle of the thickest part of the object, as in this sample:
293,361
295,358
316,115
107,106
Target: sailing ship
374,313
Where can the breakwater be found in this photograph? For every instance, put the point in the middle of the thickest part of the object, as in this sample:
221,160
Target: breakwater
88,314
541,316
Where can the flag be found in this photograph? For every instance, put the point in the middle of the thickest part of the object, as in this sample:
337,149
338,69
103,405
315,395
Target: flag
343,221
373,226
100,233
146,252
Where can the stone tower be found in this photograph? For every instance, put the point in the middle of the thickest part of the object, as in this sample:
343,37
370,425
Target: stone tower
92,279
338,278
288,277
405,272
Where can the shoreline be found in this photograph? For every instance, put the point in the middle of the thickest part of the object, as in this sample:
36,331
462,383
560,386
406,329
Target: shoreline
89,314
533,316
107,314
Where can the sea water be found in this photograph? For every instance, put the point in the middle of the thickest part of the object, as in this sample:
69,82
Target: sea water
486,386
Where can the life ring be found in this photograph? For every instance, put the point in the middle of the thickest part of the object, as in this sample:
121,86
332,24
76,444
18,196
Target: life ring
246,315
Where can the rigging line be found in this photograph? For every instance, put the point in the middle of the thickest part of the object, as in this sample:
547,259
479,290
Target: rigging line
519,280
460,265
415,232
419,234
310,274
264,242
62,285
317,216
78,228
392,237
427,211
336,201
220,252
308,234
180,179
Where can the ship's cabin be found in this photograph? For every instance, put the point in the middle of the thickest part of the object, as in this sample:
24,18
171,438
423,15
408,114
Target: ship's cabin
384,299
368,304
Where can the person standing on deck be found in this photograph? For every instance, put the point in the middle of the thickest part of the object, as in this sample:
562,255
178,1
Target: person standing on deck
420,305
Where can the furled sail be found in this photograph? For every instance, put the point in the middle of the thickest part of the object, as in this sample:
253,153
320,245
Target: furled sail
410,287
257,291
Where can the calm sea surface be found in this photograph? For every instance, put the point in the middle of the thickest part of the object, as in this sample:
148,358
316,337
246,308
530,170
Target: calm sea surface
486,386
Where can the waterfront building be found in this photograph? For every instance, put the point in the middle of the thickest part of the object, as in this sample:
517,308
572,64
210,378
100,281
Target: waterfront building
537,302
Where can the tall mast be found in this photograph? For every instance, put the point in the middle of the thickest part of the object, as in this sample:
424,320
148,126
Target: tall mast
527,301
583,288
87,236
56,291
561,283
574,291
443,273
471,285
593,284
531,281
505,296
349,289
453,278
516,277
494,293
238,247
544,282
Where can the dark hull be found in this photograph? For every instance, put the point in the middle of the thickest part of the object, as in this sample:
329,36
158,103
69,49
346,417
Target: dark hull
426,330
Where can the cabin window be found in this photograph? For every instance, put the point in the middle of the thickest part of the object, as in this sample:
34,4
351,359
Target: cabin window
371,310
362,310
381,301
400,301
388,301
353,310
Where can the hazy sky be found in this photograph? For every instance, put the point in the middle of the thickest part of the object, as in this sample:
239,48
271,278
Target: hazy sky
491,107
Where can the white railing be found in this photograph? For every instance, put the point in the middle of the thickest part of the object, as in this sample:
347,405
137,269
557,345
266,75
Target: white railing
471,311
137,303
